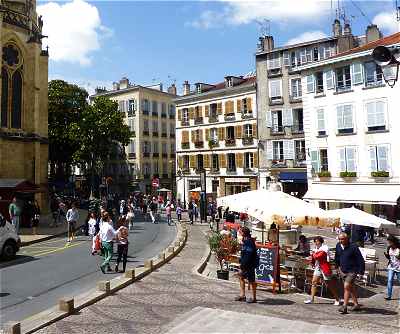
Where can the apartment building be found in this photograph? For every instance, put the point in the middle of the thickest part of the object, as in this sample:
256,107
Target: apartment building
280,104
150,114
352,127
217,131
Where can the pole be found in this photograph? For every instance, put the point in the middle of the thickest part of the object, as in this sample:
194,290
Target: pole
184,193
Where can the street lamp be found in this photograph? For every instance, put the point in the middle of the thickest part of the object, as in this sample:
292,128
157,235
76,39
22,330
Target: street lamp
389,60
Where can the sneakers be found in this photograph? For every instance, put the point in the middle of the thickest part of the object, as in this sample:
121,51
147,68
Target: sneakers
356,308
251,301
240,299
336,303
309,301
343,310
388,298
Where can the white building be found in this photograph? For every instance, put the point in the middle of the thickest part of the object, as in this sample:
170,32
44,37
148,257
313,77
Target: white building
352,131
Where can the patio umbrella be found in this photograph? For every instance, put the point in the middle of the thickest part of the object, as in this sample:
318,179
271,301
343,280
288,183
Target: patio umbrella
163,190
359,217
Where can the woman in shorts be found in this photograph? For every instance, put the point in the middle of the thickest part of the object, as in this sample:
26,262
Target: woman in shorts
322,270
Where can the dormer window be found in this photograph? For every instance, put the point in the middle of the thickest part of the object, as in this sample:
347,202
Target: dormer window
229,82
198,89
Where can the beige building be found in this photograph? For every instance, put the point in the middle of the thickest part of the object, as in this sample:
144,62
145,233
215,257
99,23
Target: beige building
23,102
217,131
150,114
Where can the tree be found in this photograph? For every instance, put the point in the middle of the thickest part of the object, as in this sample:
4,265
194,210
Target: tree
67,102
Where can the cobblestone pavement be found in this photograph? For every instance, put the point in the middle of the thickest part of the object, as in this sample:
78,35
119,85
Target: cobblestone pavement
150,305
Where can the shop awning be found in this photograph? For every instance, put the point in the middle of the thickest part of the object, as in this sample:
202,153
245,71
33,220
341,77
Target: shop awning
293,177
372,193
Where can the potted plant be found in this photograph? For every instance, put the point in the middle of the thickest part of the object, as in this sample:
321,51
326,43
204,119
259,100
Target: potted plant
348,176
222,247
380,176
324,175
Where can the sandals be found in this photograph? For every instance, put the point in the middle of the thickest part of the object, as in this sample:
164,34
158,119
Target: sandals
240,299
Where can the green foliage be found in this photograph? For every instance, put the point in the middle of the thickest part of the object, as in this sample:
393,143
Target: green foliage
348,174
380,173
222,246
324,173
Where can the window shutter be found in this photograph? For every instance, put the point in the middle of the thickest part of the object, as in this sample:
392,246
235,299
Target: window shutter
207,110
249,105
185,136
339,117
179,115
221,134
191,113
222,160
288,149
330,84
206,160
238,131
193,136
320,120
310,83
201,111
269,119
286,61
226,107
219,108
342,159
383,158
287,117
254,125
372,159
192,161
351,157
380,112
239,160
180,162
207,134
348,116
255,157
269,150
315,161
200,135
239,106
356,73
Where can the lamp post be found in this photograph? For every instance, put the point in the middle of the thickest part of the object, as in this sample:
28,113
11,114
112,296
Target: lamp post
389,60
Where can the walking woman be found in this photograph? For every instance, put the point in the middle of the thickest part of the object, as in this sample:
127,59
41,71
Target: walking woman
122,244
35,217
393,255
107,235
322,270
92,222
72,218
129,216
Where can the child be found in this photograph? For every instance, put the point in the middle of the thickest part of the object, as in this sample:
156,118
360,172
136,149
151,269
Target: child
179,212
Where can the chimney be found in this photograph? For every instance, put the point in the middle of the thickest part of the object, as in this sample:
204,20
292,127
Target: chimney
172,89
186,87
115,86
268,43
347,29
124,83
372,33
100,90
336,28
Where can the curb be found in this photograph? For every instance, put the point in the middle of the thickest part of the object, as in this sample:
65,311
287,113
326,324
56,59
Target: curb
69,306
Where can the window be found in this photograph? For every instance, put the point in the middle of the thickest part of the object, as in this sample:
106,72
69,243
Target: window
297,115
309,55
200,164
295,86
277,147
154,107
131,147
146,147
155,147
310,83
214,134
376,111
164,148
131,124
300,150
146,169
197,112
171,129
145,125
231,162
131,107
155,126
172,148
244,107
321,127
163,108
215,162
248,160
293,59
185,115
276,118
373,74
303,58
164,128
286,59
330,84
275,89
323,159
328,51
172,111
4,97
213,110
146,106
319,160
230,132
165,168
248,130
348,159
345,118
315,54
155,167
319,82
357,74
274,61
343,79
379,158
186,162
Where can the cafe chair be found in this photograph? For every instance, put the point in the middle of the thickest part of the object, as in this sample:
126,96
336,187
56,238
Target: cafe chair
308,273
288,275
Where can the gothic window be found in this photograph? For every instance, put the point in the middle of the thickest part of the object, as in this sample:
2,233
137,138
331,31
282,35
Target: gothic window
12,87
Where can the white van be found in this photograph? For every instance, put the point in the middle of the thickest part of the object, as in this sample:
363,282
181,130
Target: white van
10,242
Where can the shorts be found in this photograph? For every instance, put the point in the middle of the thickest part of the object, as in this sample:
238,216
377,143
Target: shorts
249,274
71,227
319,273
348,277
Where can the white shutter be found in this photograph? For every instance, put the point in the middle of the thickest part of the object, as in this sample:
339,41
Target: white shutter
310,83
275,88
329,79
380,107
269,150
371,114
127,105
356,73
269,119
321,120
286,61
372,159
339,117
348,116
383,158
342,159
315,161
288,149
351,157
303,57
287,117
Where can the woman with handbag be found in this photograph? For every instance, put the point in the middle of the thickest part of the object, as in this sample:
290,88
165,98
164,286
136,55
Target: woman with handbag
122,244
393,255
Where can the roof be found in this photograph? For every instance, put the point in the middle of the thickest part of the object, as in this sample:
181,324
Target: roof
221,85
129,89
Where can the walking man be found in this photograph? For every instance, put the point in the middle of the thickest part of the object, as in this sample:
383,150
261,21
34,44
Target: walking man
72,219
190,211
153,210
168,211
107,235
14,211
350,263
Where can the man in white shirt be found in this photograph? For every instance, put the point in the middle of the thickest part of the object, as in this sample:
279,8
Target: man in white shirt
107,235
72,219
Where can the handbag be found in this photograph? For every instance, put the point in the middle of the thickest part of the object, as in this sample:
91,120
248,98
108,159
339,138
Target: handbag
97,243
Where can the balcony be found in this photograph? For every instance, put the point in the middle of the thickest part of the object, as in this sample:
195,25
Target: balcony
185,146
213,119
248,170
198,120
343,89
276,100
171,116
146,176
274,72
300,160
156,155
277,130
145,112
295,99
154,113
146,154
246,115
172,135
185,123
131,155
146,133
230,142
172,155
275,163
133,134
131,113
164,115
199,144
213,143
229,117
155,133
165,155
231,170
185,170
373,82
199,170
247,140
164,135
214,170
298,128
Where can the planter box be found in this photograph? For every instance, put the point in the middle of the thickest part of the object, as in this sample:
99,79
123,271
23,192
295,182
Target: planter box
349,178
324,178
380,179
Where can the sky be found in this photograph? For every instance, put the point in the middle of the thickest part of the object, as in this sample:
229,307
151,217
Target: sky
93,43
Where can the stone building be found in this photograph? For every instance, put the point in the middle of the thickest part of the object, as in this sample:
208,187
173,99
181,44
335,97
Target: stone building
150,114
217,131
23,102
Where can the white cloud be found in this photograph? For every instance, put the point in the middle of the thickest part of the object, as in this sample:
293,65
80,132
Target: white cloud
74,30
307,36
89,84
387,22
238,12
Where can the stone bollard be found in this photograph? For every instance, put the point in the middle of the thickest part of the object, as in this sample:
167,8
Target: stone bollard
176,244
130,273
66,305
148,264
103,286
161,256
12,328
170,249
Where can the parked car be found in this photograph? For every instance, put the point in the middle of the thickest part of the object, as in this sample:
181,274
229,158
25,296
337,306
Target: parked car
10,242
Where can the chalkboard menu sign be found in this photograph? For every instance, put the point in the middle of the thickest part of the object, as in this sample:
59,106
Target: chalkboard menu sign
267,270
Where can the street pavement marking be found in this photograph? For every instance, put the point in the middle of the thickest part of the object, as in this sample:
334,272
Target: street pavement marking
52,249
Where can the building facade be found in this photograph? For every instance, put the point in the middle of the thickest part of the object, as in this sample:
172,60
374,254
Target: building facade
150,115
217,132
352,128
280,104
23,99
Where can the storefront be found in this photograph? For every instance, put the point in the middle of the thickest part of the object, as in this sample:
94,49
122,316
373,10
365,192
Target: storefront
236,185
294,183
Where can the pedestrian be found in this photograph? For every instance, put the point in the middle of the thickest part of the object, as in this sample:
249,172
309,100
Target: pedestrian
248,263
14,210
168,211
122,244
393,255
322,270
61,211
72,219
191,211
92,222
107,235
54,210
153,210
179,211
350,263
35,217
129,217
123,209
195,211
303,246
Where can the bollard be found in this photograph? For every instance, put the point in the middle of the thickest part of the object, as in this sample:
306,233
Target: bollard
130,273
66,305
103,286
12,328
148,264
176,244
170,249
161,256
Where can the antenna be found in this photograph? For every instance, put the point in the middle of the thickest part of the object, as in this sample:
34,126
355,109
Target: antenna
362,13
397,10
264,27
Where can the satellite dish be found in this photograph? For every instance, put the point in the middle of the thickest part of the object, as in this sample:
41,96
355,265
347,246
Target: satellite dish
382,55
